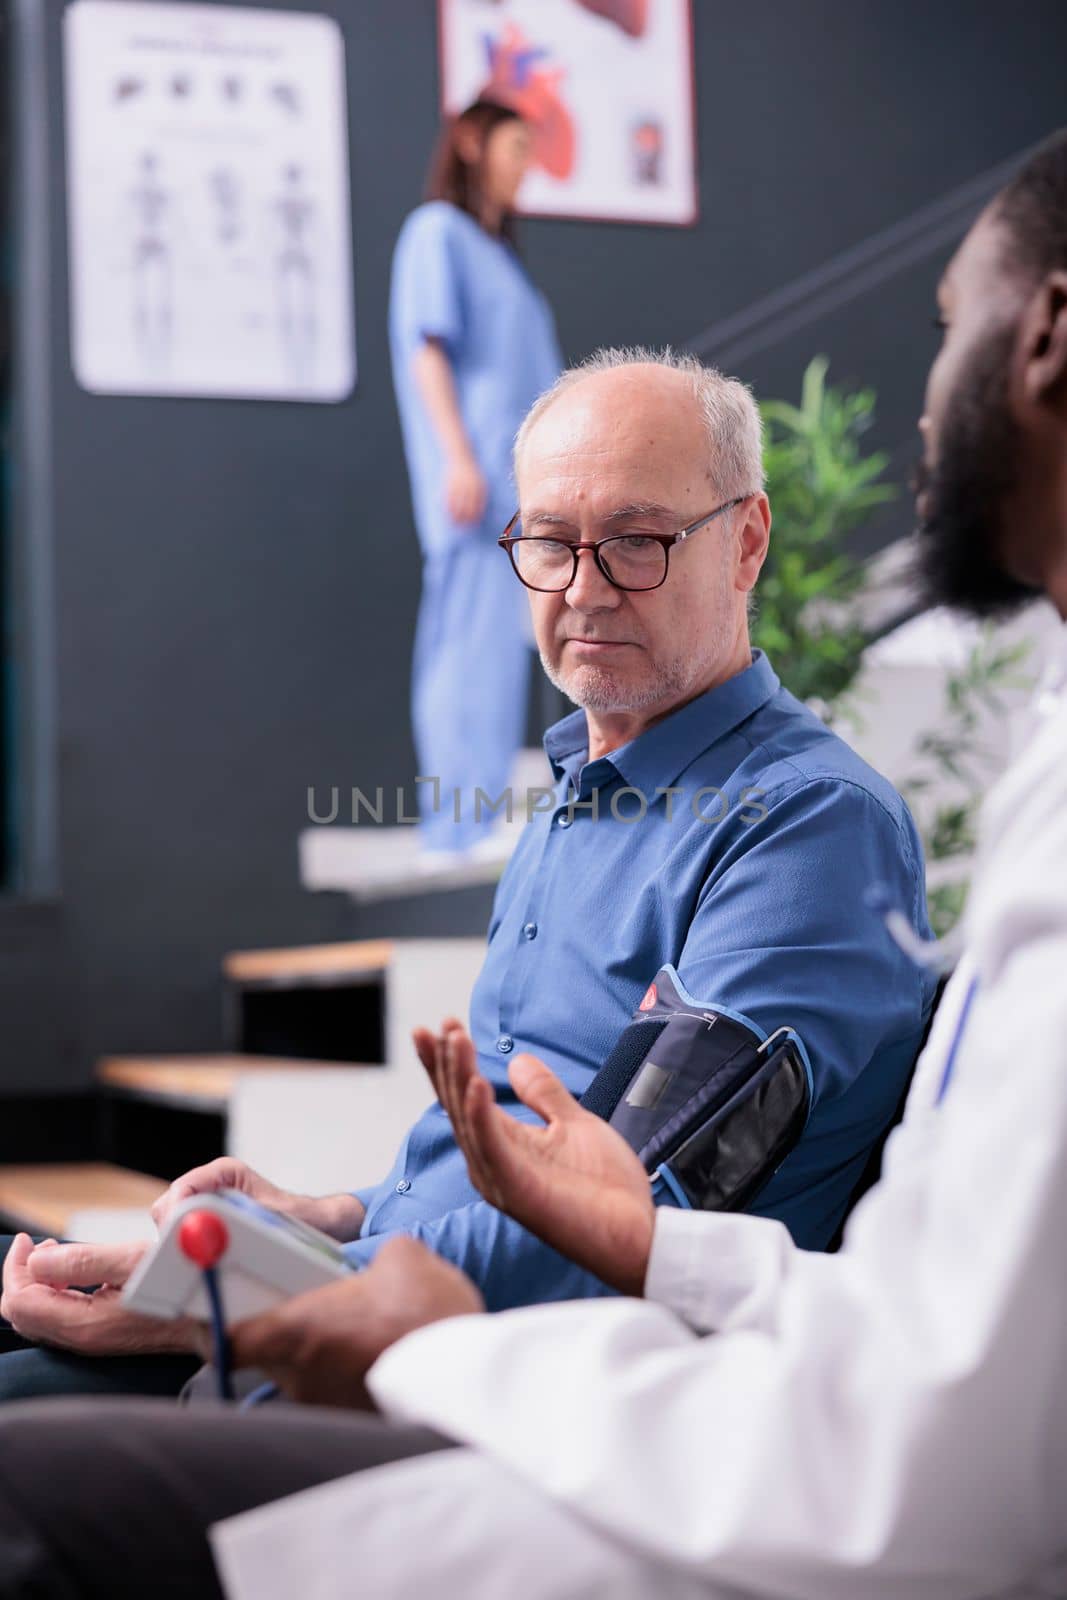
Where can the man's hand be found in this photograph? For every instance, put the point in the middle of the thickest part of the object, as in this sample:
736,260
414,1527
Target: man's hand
575,1182
466,490
319,1347
340,1215
43,1301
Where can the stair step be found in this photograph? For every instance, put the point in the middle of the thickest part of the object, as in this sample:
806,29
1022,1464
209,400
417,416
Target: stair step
377,864
44,1199
371,862
323,1002
190,1083
358,961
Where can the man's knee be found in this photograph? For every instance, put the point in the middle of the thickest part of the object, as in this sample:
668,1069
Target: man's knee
27,1374
37,1374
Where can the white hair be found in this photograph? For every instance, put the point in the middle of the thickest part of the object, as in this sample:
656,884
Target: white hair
731,416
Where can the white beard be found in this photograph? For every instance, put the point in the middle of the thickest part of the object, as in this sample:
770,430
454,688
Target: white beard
598,689
667,682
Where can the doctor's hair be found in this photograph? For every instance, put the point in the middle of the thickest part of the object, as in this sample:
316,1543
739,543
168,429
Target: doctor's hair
459,181
1033,210
731,416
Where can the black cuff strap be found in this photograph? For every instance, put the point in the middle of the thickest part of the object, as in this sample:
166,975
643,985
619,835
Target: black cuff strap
702,1098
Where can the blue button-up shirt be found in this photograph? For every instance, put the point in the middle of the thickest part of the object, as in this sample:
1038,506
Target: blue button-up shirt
734,839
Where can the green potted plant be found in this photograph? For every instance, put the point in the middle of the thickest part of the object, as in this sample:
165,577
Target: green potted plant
822,484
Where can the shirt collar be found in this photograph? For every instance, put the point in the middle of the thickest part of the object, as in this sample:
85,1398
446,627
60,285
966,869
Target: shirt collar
662,752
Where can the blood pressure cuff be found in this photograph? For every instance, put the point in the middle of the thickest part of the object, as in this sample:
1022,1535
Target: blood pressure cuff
711,1106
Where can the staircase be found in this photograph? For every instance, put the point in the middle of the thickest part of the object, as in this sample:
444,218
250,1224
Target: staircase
317,1085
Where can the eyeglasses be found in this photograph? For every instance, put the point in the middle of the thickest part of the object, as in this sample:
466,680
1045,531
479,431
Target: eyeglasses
631,561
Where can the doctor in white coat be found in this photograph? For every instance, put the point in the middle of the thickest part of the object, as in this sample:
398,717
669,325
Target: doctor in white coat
887,1422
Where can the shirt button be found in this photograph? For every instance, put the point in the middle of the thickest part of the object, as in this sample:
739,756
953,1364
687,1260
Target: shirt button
403,1186
563,820
530,930
505,1044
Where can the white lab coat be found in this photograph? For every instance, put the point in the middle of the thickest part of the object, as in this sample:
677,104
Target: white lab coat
889,1422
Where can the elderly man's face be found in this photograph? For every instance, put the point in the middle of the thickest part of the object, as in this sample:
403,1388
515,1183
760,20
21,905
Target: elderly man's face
625,451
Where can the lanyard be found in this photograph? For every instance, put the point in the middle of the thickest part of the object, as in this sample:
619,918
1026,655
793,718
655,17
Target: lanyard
954,1048
932,955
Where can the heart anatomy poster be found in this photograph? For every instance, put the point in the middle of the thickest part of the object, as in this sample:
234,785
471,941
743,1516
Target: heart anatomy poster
208,201
607,86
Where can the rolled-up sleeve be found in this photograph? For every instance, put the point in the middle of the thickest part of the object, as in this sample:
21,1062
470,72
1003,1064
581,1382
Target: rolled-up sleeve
427,300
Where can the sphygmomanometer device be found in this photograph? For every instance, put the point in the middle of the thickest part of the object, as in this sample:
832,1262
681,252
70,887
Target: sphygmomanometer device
710,1103
260,1256
224,1257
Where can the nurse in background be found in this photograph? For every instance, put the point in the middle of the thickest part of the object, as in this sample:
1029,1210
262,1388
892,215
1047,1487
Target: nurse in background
473,344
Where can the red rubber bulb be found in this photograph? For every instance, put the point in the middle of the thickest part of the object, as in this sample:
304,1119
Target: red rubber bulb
203,1238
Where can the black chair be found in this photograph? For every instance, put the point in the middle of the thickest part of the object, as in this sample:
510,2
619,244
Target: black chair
872,1170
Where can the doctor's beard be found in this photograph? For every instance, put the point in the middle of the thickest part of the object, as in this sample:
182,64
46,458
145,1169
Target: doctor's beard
959,538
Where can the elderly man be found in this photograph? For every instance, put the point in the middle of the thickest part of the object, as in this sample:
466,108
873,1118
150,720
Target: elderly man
708,834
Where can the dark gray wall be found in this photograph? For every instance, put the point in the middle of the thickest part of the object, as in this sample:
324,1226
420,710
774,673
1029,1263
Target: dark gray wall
234,585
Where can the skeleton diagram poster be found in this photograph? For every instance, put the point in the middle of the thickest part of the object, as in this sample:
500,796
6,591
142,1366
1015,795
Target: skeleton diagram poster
608,88
208,201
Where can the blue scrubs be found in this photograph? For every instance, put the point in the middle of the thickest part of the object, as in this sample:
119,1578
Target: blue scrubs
454,282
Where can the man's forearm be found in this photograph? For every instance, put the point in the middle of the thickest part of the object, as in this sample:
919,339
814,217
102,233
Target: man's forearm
339,1215
509,1265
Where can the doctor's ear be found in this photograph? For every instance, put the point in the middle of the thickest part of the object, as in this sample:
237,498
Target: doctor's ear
1044,345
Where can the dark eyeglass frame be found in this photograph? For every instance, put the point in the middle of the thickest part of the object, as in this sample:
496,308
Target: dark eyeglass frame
507,541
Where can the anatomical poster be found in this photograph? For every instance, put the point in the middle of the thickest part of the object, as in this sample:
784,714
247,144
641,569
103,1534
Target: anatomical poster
607,86
208,201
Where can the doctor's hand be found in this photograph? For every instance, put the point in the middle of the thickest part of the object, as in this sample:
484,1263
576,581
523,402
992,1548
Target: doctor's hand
466,490
44,1300
574,1182
319,1347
